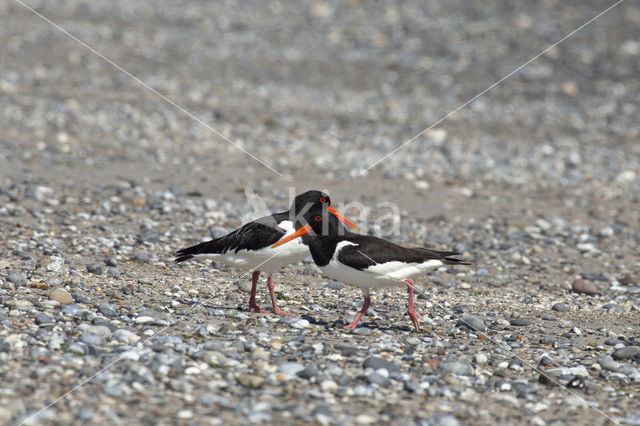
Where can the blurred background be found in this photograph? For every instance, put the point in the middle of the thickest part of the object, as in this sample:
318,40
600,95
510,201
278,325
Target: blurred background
319,91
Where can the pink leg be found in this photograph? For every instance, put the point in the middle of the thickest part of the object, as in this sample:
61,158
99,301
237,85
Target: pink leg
411,311
252,298
274,303
365,306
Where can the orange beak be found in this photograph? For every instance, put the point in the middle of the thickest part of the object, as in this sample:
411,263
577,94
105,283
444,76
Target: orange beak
300,232
341,218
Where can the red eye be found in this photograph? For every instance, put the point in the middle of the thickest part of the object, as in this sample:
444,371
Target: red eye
323,200
317,218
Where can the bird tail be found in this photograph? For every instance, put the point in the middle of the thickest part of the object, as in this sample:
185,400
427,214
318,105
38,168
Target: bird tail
213,246
444,256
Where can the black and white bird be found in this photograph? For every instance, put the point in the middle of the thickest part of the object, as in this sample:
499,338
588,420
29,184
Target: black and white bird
365,261
250,246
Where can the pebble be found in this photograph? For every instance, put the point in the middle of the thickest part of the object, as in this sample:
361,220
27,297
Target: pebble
301,323
585,287
607,363
628,352
250,380
377,363
519,322
140,256
55,264
18,278
560,307
95,268
471,322
125,336
308,372
111,261
61,296
459,368
378,379
91,339
107,310
43,320
114,272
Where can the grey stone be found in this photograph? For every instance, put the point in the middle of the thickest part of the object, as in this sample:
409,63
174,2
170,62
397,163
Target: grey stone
378,379
18,278
471,322
95,268
628,352
308,372
376,363
107,310
459,368
560,307
607,363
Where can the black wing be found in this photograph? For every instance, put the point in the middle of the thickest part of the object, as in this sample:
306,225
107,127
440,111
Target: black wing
251,236
371,251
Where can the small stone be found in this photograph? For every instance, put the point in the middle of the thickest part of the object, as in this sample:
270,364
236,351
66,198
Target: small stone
459,368
61,296
378,379
628,352
560,307
519,322
328,386
607,363
143,319
99,330
376,363
250,381
185,414
443,420
111,261
114,272
480,358
107,310
43,320
95,268
91,339
308,372
55,264
301,323
141,256
471,322
125,336
290,368
585,287
18,278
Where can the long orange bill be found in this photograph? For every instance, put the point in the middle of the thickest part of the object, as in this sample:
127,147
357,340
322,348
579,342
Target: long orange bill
300,232
341,218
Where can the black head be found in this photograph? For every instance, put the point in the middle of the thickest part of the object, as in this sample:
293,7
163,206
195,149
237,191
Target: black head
309,200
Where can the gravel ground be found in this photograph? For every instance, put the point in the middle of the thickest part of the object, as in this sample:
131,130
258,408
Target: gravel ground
536,183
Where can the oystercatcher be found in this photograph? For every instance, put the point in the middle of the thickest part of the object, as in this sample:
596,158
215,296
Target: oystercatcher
249,247
365,261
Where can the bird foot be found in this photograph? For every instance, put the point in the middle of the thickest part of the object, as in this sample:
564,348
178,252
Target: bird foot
255,308
281,312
